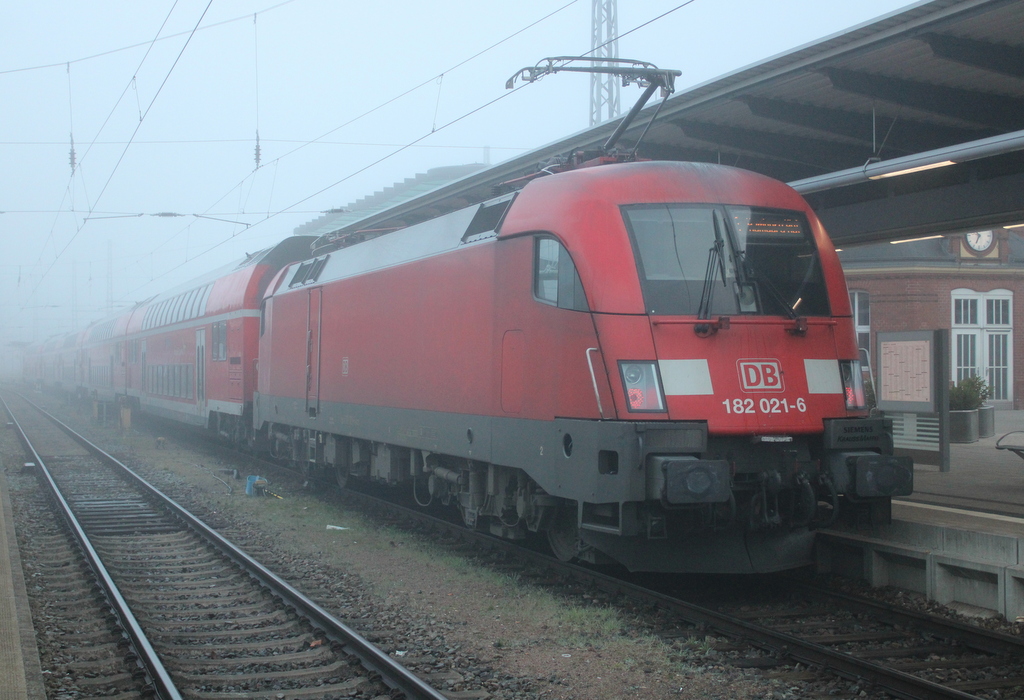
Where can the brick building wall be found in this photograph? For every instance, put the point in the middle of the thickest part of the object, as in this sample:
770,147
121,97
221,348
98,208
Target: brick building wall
915,292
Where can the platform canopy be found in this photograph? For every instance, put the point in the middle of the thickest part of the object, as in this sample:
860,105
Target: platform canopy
908,125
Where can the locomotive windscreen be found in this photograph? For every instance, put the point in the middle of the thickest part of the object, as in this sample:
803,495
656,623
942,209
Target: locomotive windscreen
727,259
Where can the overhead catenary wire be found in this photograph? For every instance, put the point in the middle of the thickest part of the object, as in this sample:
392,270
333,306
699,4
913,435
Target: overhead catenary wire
71,125
408,145
378,108
256,72
397,148
178,141
98,132
128,145
347,177
91,57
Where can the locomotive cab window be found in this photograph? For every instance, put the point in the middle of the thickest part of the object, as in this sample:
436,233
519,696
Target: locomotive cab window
712,260
555,279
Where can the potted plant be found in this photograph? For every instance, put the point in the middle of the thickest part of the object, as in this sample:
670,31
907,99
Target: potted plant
965,398
987,416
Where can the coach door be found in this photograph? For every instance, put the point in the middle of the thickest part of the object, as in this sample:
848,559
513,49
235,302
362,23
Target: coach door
201,370
313,317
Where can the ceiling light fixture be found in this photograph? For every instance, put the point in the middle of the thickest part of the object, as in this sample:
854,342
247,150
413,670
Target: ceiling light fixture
911,240
907,171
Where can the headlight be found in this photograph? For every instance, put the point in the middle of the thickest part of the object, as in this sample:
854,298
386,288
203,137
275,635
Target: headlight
643,388
853,384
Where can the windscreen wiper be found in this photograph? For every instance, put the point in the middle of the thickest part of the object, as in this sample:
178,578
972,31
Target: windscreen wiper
765,283
799,322
716,263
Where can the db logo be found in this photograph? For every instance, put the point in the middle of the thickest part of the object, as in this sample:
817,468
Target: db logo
760,375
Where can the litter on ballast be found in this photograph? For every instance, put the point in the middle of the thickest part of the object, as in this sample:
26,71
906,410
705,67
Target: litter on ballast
337,527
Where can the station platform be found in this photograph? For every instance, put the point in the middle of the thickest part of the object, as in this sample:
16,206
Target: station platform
959,539
19,657
980,477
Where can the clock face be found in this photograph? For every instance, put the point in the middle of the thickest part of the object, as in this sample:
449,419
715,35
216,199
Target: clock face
979,240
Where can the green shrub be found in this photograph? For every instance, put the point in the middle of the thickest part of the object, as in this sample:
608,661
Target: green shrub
968,394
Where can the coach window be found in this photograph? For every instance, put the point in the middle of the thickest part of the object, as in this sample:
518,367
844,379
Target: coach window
187,306
193,302
219,348
205,299
174,306
263,316
555,280
179,308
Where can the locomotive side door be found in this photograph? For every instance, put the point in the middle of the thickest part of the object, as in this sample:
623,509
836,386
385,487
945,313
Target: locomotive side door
201,370
313,317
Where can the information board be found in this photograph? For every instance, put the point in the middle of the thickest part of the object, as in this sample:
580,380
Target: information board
905,374
913,389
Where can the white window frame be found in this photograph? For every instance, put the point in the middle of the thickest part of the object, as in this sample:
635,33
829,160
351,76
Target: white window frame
855,302
985,335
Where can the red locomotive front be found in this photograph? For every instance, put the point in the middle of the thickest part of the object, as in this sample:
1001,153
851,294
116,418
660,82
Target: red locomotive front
650,361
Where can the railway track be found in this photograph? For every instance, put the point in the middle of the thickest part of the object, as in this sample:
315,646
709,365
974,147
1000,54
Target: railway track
785,623
803,633
202,618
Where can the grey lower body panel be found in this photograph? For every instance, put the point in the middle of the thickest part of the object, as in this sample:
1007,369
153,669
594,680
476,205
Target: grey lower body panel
561,455
728,552
177,416
568,458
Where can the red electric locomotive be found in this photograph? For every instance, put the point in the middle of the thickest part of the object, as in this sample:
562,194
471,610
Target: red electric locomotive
653,362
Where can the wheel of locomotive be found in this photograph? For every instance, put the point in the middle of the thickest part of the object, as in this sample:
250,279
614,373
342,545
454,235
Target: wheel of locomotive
341,476
564,532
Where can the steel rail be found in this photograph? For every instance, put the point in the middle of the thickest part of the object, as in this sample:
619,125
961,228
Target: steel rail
893,681
391,672
157,675
974,637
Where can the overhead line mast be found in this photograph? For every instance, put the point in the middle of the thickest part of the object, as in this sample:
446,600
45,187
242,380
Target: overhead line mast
604,43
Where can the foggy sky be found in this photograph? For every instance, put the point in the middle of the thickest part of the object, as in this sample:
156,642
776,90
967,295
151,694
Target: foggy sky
316,66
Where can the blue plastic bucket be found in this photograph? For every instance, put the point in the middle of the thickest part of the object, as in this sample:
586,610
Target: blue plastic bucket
250,483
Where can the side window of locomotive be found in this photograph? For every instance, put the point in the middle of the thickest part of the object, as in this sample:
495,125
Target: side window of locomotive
555,279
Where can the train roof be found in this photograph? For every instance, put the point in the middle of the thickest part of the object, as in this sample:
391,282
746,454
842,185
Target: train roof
231,287
542,205
582,208
197,292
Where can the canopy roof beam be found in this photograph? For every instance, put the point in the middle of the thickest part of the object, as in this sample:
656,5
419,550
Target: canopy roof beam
903,136
1008,60
985,109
